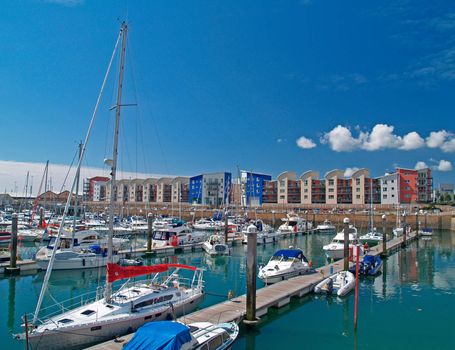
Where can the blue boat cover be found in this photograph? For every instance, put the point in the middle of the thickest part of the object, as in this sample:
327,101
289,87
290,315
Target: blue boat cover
289,253
160,335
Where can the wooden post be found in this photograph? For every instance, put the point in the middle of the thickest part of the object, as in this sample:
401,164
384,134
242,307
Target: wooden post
273,219
149,232
251,276
226,230
13,269
384,235
314,219
356,300
306,221
404,230
346,243
417,224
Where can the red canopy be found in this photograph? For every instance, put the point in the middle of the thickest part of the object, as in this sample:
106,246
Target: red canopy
116,272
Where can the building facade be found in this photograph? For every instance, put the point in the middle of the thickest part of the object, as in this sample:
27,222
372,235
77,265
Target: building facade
389,189
210,189
252,185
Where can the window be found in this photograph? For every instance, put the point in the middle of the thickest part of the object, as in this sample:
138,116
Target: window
331,182
384,196
357,181
385,189
216,342
65,321
306,182
305,190
331,190
305,196
357,189
393,188
331,196
87,312
358,196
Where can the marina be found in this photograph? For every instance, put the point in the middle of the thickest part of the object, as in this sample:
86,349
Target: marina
215,176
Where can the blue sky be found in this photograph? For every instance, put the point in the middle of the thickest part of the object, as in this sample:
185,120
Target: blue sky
226,83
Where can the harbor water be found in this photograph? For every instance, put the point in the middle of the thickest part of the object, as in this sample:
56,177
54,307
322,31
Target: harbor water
410,306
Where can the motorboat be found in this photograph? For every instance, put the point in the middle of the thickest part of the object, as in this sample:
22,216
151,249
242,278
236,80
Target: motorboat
398,231
264,233
175,236
369,266
371,238
426,231
205,225
340,284
335,249
326,228
284,264
215,245
87,251
127,309
5,237
293,224
176,335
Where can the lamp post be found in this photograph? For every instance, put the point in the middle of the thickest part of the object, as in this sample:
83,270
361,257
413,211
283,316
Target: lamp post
404,229
417,224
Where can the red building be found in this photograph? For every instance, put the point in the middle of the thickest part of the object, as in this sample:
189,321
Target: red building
414,185
95,188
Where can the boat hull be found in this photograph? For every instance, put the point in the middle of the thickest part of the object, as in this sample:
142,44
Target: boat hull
76,264
87,335
283,276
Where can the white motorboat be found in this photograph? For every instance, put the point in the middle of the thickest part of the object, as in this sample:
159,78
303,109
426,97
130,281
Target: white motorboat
293,224
205,225
175,236
176,335
326,228
371,238
284,264
426,231
335,249
398,231
340,284
215,245
265,233
127,310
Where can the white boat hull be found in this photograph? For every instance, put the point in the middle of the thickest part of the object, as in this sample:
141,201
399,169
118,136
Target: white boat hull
78,337
76,264
275,278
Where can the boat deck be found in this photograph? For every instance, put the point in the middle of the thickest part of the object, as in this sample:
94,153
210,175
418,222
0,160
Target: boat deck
273,296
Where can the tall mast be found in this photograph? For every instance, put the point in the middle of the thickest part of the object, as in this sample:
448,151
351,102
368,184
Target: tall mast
46,172
123,33
76,198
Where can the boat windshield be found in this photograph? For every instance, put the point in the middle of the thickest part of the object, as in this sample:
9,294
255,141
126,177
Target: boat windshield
160,235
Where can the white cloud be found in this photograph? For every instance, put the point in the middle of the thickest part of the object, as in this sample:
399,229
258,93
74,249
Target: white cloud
12,175
305,143
412,141
420,165
340,139
437,138
444,165
449,146
349,171
382,136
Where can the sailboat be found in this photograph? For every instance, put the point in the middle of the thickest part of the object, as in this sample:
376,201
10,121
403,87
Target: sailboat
372,237
124,311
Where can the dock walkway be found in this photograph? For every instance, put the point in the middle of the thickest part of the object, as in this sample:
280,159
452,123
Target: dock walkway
273,296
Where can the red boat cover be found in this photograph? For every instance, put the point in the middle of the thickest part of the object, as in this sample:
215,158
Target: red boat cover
116,272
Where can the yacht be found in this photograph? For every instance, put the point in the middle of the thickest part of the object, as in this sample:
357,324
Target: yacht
326,227
265,233
284,264
127,309
293,224
176,335
175,236
335,249
215,245
371,238
88,250
205,225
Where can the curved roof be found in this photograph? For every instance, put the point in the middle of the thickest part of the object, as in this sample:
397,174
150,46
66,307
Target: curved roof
360,172
137,181
181,179
309,173
287,175
334,172
150,180
165,180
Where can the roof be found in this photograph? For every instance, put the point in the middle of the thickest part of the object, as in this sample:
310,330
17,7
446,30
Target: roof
289,253
163,335
360,172
309,173
333,173
287,175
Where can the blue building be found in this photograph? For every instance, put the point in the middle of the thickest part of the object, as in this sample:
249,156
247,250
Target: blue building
252,187
211,189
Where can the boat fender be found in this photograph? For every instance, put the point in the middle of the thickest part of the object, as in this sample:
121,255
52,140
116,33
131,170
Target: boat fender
365,246
83,262
189,238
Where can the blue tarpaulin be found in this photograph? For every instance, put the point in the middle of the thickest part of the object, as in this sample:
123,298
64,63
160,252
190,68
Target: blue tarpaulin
289,253
160,335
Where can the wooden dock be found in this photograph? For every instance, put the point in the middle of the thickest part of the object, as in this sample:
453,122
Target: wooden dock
273,296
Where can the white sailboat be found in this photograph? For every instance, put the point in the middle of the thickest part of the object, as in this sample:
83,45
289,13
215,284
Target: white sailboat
133,304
